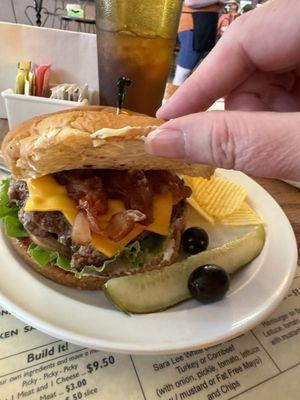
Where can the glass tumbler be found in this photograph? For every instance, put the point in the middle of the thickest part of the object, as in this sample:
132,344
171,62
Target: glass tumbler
136,39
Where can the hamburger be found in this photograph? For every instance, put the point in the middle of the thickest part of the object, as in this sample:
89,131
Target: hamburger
86,203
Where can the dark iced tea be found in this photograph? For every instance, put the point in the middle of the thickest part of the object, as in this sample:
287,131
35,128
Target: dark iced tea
136,40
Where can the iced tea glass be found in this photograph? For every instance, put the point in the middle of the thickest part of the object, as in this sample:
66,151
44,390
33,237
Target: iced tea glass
136,39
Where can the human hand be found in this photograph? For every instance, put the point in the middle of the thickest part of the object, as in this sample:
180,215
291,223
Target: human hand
256,67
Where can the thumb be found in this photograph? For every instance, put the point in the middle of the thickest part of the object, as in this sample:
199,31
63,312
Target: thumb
258,143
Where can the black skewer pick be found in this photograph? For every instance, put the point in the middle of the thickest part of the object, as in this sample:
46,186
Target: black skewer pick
122,83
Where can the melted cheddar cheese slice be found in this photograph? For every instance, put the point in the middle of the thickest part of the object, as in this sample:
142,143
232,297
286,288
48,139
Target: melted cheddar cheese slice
46,194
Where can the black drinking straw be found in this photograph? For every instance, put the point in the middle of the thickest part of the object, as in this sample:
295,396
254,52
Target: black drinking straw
122,83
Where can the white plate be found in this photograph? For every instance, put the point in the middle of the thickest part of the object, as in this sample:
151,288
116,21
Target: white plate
87,319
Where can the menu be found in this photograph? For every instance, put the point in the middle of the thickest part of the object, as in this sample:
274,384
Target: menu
261,364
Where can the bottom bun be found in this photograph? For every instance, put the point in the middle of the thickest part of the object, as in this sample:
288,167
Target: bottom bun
56,274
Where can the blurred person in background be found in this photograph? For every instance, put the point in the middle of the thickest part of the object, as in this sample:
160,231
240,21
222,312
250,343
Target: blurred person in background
197,34
246,8
226,19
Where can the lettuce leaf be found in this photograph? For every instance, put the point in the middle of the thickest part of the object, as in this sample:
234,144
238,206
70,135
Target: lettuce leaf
9,215
153,243
135,253
13,227
4,211
4,199
92,270
138,252
43,257
130,253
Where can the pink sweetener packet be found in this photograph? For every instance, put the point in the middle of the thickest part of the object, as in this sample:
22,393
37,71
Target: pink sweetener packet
42,73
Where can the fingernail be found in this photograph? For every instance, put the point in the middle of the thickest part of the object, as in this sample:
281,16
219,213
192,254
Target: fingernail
166,143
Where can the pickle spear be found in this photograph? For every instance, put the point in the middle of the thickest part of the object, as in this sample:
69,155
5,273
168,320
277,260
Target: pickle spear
160,289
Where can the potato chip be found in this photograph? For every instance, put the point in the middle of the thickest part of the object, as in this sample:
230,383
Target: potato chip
218,197
243,216
200,210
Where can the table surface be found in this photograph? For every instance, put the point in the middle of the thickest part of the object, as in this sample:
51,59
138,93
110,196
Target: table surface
286,196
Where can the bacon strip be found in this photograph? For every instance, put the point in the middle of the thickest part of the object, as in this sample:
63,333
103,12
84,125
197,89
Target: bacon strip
133,188
164,180
119,226
136,189
122,223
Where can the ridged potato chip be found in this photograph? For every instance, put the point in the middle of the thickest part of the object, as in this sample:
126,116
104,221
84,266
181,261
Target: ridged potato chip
243,216
192,202
218,197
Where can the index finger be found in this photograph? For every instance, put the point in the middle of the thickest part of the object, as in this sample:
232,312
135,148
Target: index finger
222,70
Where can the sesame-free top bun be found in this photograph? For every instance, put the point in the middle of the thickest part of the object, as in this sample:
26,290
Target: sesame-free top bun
76,138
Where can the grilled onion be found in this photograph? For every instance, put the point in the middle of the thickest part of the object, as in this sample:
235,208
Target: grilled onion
51,244
81,232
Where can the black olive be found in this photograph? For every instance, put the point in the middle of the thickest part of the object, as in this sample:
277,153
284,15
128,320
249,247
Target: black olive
208,283
194,240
